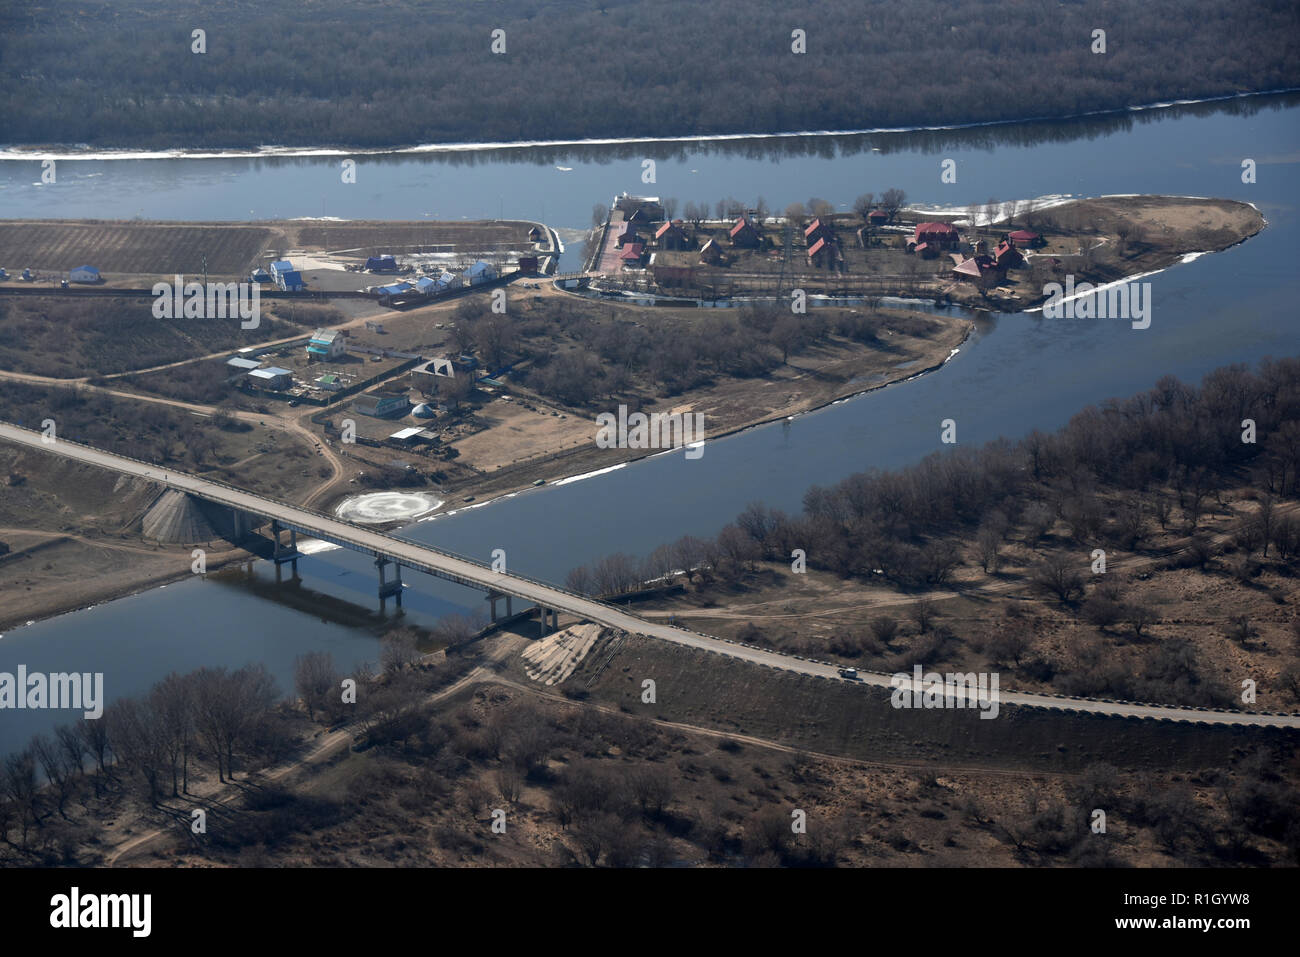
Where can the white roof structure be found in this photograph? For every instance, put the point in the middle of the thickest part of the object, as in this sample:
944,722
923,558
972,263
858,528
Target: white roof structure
406,433
240,363
270,373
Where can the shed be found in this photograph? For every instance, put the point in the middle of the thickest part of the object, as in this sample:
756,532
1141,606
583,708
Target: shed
84,274
238,362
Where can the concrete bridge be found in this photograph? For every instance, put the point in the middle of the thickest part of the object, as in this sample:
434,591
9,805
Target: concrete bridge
550,599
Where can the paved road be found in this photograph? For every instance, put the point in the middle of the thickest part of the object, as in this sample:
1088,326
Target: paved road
466,571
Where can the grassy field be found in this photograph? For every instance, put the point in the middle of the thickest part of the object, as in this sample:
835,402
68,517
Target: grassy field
115,247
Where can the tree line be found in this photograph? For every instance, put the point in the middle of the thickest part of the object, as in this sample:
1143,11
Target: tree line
407,72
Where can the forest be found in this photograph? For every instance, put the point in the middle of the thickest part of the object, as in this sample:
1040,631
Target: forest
117,74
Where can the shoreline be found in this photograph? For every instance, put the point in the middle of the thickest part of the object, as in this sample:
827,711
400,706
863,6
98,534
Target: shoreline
24,153
510,492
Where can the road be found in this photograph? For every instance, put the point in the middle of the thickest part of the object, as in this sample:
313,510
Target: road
467,571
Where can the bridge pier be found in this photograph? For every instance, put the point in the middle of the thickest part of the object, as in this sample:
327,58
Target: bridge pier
389,589
493,597
280,553
548,619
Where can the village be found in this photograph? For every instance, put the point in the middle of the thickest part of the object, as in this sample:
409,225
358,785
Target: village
875,250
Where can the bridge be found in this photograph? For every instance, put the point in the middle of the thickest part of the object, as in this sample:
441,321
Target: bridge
551,599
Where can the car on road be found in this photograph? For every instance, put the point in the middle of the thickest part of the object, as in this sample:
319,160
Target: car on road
850,673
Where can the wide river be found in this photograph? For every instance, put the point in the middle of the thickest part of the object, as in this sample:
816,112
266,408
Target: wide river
1016,374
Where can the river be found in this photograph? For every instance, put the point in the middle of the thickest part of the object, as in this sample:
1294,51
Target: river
1016,373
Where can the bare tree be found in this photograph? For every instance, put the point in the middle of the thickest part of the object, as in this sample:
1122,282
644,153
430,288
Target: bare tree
228,706
891,201
172,700
397,651
315,678
1056,575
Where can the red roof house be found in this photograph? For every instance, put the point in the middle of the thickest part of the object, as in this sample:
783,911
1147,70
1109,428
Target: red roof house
980,269
1007,256
744,234
943,235
823,254
671,235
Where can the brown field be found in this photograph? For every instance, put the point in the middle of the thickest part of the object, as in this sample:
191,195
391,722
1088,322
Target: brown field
371,238
120,247
71,339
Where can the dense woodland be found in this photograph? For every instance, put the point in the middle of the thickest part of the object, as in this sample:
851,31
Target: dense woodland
111,73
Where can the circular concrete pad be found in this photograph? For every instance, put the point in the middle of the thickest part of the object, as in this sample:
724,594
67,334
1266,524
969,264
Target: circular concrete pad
380,507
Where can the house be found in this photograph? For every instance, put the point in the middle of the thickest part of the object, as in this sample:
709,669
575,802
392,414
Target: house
1026,239
273,379
425,376
942,235
326,344
671,235
279,266
632,255
817,230
427,286
329,382
823,254
448,280
290,281
877,217
478,274
711,253
84,274
743,234
394,291
382,404
982,270
1007,256
384,263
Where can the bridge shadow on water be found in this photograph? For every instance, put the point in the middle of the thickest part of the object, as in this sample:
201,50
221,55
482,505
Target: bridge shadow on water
285,587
